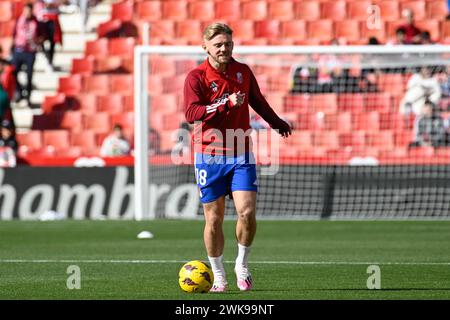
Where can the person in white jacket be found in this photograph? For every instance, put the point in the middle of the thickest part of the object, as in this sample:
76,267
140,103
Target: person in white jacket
422,86
115,144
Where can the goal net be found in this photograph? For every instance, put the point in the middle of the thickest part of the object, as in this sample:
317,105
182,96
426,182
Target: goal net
370,140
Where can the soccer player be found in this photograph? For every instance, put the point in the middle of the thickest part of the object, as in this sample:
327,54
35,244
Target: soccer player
217,95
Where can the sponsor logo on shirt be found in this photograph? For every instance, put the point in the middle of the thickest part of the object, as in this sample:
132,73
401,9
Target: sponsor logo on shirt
213,86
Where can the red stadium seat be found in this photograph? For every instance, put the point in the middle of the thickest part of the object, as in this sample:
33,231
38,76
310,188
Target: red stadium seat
7,28
149,10
122,83
88,103
417,6
17,7
51,103
98,123
122,11
295,30
432,26
242,30
173,84
162,29
307,10
126,120
164,103
70,152
369,121
393,83
383,140
70,85
97,48
30,141
321,30
359,10
6,11
121,46
353,139
389,10
175,10
109,28
325,102
445,30
160,65
268,29
229,10
111,103
353,102
190,30
201,10
71,120
379,33
347,29
98,84
334,10
299,103
128,104
83,66
281,10
84,139
421,152
254,10
326,139
56,139
437,10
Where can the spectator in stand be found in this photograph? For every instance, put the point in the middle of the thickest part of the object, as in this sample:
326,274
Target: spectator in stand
422,86
429,128
48,15
7,78
154,142
400,37
412,33
425,38
27,38
115,144
373,41
8,145
183,145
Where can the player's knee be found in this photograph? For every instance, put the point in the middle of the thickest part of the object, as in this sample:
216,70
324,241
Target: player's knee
247,214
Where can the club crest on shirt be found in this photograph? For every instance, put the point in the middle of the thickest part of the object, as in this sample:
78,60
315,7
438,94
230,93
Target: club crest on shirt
239,77
213,86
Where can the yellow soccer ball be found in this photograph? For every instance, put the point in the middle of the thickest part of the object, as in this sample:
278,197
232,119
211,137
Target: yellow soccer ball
195,276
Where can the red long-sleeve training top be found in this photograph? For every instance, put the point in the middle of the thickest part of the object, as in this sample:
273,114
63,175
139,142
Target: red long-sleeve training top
206,104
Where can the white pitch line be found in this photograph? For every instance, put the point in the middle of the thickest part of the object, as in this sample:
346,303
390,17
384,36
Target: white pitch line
252,262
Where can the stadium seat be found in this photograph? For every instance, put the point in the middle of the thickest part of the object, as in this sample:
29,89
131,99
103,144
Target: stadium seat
379,101
84,139
201,10
369,121
98,123
353,102
326,139
352,139
173,84
164,103
31,140
307,10
97,84
268,29
97,48
393,83
70,85
255,10
173,121
383,140
417,6
163,66
70,152
190,30
421,152
379,33
122,83
295,30
126,120
228,10
281,10
389,10
109,28
348,30
121,46
111,103
17,7
445,30
175,10
128,104
52,103
56,139
321,30
334,10
149,10
83,66
162,29
432,26
108,64
297,102
325,102
6,11
242,30
71,120
358,10
7,28
437,10
88,103
155,85
122,11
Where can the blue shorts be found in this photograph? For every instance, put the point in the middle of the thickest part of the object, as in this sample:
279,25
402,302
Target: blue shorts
220,175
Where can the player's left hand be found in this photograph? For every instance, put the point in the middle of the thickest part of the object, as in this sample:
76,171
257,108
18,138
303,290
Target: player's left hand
284,129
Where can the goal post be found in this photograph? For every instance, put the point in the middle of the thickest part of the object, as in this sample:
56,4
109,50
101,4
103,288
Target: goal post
311,124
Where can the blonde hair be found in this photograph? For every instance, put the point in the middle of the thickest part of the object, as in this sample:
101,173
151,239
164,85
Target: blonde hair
216,28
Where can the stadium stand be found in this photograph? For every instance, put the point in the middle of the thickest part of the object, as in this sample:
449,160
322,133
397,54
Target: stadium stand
84,108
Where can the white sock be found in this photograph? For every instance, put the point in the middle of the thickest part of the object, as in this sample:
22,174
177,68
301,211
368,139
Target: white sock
242,258
217,267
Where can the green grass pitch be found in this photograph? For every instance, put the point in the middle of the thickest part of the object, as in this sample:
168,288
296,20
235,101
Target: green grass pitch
290,260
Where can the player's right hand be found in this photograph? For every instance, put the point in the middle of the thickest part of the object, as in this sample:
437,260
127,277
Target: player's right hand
237,99
284,129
